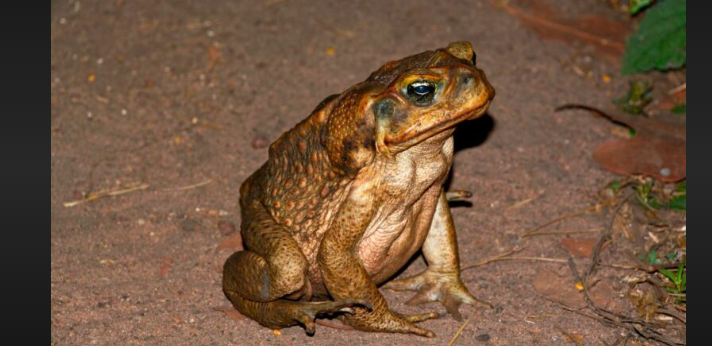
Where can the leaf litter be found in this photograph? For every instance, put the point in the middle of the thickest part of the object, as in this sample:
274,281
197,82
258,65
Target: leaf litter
658,149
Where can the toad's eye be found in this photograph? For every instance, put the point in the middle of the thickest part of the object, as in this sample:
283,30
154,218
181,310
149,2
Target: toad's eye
421,92
421,88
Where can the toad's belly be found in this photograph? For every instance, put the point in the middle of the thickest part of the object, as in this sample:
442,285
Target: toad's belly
389,243
388,246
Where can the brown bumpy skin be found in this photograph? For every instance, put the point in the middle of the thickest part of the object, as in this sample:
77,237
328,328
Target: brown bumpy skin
351,193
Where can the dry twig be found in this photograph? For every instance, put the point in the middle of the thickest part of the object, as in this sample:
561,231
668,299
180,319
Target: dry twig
592,230
507,257
107,193
188,187
586,210
634,325
457,334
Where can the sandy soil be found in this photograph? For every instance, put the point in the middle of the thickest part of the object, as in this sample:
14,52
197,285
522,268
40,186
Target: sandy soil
175,94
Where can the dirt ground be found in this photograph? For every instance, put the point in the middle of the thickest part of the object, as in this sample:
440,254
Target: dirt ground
183,97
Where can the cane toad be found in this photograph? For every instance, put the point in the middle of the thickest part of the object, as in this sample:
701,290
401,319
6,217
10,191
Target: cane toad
352,192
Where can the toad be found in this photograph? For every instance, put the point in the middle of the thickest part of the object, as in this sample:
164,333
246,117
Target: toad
351,193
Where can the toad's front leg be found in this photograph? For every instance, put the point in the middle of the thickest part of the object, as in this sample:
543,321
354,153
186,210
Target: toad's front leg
346,278
441,281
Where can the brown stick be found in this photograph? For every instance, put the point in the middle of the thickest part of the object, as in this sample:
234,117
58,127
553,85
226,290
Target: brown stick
457,334
106,193
647,269
492,259
188,187
506,257
592,230
586,210
610,318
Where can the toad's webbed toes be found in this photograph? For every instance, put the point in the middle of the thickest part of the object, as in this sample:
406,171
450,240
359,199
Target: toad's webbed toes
447,289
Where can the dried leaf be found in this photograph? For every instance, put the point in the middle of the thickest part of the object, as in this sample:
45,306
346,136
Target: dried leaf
167,263
579,247
605,35
562,289
575,338
664,159
659,148
233,242
213,57
557,288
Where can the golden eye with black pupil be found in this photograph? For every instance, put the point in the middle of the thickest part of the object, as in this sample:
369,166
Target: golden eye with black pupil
421,92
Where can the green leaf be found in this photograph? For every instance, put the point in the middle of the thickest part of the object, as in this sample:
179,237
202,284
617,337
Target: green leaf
668,274
615,186
661,40
678,203
671,256
652,258
684,281
680,109
638,96
644,190
635,6
682,186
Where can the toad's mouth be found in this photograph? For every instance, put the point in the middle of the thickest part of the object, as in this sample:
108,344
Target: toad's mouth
415,134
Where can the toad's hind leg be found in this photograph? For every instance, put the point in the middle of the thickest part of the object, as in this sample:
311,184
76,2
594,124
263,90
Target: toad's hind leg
273,266
282,313
257,281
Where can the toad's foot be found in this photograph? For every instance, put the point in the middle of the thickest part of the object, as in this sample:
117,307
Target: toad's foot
307,312
415,318
458,195
390,321
431,286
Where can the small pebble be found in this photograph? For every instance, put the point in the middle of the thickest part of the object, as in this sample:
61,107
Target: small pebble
190,225
260,142
483,337
226,227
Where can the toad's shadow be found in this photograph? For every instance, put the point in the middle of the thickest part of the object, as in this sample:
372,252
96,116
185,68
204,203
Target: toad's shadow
469,134
472,133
